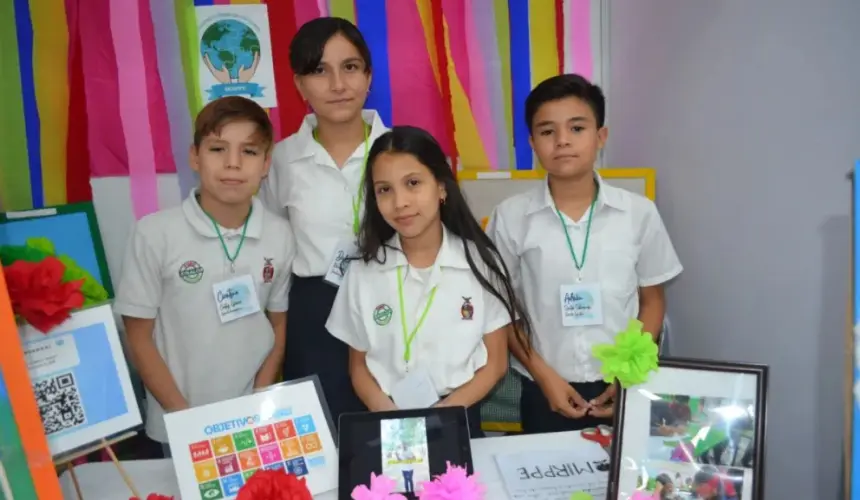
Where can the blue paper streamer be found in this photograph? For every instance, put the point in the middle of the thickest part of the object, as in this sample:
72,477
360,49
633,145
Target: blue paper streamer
372,21
24,29
521,80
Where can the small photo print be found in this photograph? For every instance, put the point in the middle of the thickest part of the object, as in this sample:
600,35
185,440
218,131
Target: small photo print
404,453
682,481
702,430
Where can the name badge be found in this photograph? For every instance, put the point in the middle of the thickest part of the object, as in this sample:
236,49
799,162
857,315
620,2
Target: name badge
340,261
581,305
414,391
236,298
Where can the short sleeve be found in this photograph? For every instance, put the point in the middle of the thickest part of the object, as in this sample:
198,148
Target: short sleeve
140,286
270,191
658,262
279,298
501,237
344,321
496,315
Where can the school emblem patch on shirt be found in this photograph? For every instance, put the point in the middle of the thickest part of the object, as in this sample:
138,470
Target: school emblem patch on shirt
467,310
268,270
191,271
382,314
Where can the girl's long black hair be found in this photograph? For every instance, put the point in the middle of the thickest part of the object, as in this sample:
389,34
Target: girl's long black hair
455,214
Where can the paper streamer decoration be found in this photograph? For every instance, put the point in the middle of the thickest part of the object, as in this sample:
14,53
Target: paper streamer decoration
134,104
459,69
27,461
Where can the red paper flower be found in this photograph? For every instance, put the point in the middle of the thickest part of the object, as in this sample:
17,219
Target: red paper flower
38,293
274,485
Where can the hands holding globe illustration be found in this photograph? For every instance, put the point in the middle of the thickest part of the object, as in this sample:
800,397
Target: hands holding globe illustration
231,51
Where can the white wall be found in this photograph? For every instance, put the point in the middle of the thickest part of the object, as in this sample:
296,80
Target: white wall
750,111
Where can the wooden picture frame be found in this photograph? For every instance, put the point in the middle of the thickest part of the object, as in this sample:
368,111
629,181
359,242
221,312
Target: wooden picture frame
673,428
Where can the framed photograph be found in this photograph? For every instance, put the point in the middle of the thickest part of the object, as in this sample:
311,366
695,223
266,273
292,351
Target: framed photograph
217,447
697,427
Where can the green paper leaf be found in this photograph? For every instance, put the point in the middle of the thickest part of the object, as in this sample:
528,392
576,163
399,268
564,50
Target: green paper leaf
42,244
632,357
92,291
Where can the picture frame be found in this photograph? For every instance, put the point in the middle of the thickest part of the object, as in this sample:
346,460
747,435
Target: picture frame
697,424
73,229
81,381
217,447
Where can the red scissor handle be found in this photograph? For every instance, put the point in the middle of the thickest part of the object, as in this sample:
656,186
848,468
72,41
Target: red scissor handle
602,435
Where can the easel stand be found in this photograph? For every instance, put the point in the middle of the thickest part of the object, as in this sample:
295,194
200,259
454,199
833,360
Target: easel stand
66,462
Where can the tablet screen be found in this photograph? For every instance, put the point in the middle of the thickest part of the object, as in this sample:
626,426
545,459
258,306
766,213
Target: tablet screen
409,447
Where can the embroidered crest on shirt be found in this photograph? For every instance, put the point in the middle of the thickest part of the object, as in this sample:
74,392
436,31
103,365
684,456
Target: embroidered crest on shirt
382,314
467,310
191,271
268,270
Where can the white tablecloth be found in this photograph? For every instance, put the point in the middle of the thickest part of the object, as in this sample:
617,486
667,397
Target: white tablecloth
101,481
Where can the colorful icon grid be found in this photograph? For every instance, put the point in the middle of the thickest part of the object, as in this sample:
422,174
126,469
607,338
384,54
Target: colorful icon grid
223,464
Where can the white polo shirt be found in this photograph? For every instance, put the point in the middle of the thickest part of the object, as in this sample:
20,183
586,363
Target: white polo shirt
307,186
172,262
449,345
628,248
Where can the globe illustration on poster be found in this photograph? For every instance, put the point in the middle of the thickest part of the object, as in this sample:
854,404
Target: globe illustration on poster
231,51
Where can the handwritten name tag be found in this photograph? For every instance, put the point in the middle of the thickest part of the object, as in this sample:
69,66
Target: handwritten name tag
235,298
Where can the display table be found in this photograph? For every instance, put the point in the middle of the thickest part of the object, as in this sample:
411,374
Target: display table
102,481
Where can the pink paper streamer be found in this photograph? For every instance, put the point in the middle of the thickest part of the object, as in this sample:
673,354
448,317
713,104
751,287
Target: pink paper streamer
134,104
108,155
415,96
305,11
479,88
322,8
455,17
159,123
580,26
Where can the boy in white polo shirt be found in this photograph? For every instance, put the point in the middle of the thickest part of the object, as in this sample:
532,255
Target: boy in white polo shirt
204,286
586,257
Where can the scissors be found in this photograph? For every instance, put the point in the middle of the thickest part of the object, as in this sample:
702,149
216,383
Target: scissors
602,435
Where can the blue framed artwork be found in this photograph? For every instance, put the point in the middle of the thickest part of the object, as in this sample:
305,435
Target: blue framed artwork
72,229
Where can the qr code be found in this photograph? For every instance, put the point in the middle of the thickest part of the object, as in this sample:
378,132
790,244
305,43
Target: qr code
59,403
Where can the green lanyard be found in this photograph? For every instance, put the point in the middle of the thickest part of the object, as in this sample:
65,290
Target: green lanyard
356,200
232,258
409,337
579,265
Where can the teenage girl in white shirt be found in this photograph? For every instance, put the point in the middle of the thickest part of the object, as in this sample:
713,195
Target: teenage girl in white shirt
315,181
428,306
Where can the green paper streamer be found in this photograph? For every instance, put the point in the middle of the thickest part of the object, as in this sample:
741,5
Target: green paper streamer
186,21
581,495
14,163
632,357
343,8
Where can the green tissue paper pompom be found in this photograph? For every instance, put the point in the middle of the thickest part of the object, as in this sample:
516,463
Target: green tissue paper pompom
630,359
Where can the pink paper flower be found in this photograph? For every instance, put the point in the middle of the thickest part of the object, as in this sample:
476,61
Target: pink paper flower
381,488
454,484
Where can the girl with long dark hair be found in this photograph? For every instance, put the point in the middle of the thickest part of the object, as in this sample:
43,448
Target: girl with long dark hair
428,307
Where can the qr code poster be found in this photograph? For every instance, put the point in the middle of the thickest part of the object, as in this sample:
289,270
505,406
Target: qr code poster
217,447
81,381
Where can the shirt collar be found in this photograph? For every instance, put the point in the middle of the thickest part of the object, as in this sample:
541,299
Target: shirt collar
451,253
607,196
309,147
201,222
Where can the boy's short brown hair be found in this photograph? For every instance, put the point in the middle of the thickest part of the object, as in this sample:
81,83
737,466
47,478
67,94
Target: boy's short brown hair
232,109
